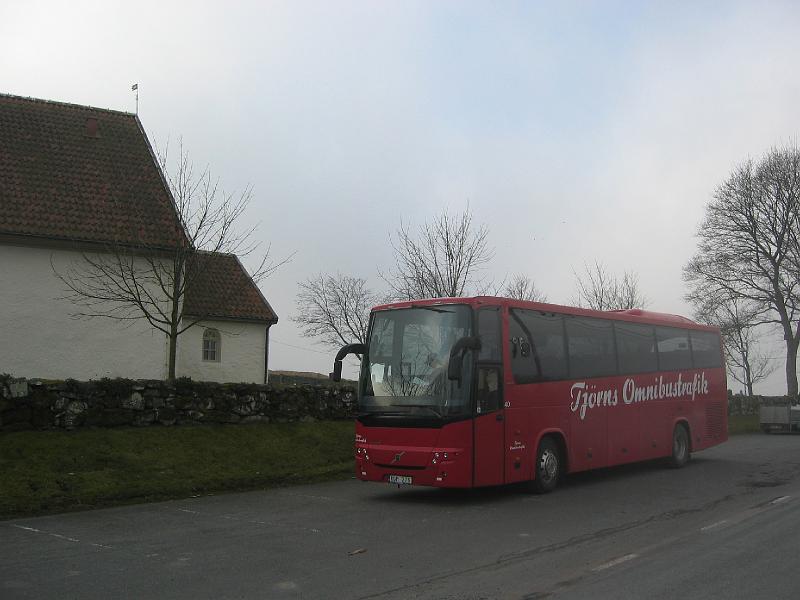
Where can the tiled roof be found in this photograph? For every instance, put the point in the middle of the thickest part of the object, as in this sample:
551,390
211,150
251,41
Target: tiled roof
222,288
80,173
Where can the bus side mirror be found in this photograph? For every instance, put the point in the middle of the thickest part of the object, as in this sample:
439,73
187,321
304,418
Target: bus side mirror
337,363
457,355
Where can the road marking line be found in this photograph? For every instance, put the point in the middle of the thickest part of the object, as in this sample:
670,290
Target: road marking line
63,537
55,535
59,536
714,525
781,499
28,528
615,562
186,510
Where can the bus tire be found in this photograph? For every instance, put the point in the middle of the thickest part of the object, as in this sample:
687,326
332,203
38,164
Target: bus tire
548,467
681,450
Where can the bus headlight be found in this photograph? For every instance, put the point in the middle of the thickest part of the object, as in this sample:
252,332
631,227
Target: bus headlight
439,456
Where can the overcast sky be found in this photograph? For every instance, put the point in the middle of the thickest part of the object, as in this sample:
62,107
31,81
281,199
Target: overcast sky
575,131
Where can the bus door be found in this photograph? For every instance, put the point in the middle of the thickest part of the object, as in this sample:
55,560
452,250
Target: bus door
489,419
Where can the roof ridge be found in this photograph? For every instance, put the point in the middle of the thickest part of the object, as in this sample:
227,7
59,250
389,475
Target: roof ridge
215,252
67,104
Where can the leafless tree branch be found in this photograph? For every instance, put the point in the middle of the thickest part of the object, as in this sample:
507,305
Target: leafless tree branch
334,308
599,289
129,282
749,248
521,287
444,259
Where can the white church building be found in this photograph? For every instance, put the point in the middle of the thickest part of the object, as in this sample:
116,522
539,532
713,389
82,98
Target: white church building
73,180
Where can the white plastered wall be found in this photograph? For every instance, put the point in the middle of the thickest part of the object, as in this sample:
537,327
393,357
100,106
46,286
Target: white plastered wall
242,353
41,338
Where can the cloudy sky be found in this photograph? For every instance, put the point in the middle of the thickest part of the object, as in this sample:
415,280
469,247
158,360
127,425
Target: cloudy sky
575,131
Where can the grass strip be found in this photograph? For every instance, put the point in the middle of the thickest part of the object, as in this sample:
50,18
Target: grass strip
743,424
53,471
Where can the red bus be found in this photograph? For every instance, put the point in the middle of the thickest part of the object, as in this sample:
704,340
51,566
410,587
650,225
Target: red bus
468,392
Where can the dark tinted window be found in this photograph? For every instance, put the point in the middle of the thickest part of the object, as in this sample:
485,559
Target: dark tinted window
706,352
674,351
489,333
591,347
636,348
487,393
537,346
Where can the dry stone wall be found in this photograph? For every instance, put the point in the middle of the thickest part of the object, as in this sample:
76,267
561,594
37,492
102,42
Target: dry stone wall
36,404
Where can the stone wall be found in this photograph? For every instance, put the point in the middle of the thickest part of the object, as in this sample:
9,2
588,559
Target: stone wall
36,404
749,405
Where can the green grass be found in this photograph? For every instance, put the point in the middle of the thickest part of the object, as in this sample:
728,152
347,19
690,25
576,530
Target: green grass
743,424
53,471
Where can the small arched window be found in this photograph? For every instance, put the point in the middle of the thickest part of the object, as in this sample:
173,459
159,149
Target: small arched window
212,347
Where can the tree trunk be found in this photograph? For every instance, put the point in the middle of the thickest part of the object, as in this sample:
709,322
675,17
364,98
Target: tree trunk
748,375
791,366
175,317
173,347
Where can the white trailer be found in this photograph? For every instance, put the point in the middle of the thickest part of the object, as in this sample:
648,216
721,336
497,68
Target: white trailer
779,417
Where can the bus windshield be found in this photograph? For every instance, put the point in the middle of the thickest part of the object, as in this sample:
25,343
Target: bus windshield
405,370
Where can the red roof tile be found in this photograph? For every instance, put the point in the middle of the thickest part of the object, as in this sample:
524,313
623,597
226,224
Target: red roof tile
224,289
59,178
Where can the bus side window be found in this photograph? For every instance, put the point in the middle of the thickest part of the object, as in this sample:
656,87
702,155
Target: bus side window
538,351
674,352
636,349
706,352
488,392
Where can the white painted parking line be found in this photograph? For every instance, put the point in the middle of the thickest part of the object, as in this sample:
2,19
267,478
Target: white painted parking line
615,562
57,535
714,525
781,499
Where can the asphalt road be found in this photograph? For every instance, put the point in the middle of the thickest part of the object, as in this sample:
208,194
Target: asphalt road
726,526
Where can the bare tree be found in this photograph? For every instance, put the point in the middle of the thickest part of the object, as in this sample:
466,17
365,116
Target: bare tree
135,281
521,287
444,259
599,289
334,309
737,320
749,249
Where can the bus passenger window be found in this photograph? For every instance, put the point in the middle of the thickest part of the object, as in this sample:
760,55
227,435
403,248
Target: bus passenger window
673,349
591,347
488,392
636,349
706,352
538,351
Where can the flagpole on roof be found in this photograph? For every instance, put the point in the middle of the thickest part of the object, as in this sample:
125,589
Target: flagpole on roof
135,88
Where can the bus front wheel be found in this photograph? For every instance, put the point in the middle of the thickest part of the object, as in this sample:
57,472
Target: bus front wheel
548,467
680,446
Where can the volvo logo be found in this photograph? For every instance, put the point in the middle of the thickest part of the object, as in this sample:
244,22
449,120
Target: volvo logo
397,457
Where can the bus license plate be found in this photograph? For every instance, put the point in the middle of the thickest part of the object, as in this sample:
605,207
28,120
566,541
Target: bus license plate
400,479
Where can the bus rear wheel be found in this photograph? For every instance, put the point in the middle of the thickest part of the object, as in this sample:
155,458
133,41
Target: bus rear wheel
681,451
548,467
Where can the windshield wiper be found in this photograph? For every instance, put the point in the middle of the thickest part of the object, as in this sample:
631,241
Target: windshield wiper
427,406
433,308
